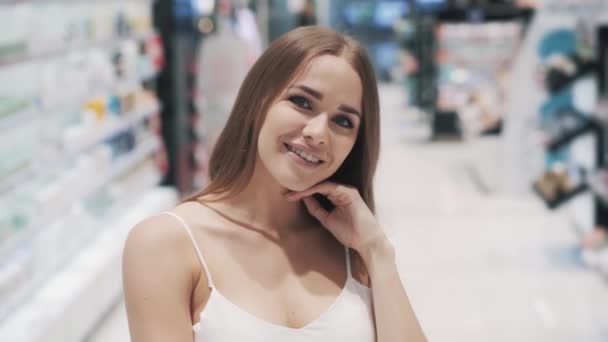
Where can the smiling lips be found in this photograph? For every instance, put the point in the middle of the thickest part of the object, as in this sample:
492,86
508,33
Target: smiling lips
304,155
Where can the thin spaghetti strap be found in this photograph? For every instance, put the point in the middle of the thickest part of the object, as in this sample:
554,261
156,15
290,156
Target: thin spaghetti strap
196,249
348,268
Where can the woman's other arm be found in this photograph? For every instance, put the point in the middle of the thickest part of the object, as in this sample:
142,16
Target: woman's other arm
159,274
355,226
394,316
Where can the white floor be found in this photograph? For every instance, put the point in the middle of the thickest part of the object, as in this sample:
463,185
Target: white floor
477,267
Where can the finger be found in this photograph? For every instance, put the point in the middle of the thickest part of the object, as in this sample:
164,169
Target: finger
315,209
325,188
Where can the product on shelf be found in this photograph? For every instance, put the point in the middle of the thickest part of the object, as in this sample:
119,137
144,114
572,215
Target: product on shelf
561,71
10,106
559,184
13,41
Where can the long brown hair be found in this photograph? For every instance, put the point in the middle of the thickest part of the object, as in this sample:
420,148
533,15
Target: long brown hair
234,155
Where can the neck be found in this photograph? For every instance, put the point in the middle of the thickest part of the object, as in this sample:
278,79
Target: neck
262,205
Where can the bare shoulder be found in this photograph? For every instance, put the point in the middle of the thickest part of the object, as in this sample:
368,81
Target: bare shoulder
156,245
162,234
167,232
159,273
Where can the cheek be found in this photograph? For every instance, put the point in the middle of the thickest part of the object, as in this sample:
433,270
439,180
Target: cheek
282,120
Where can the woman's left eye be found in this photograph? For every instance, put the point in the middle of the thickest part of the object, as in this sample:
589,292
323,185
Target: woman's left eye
301,102
344,122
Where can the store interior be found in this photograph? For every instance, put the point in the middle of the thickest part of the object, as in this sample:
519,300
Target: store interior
492,183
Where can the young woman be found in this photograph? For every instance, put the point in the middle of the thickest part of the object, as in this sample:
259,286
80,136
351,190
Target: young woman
283,244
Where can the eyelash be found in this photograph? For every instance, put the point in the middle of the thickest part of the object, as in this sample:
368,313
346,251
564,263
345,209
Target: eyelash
349,123
297,100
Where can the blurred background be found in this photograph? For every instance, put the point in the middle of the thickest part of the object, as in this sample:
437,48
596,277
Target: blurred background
492,184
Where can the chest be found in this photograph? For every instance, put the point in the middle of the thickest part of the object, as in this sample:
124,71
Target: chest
286,288
348,318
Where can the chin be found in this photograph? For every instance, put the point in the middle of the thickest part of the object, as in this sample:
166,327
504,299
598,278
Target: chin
299,187
292,183
295,180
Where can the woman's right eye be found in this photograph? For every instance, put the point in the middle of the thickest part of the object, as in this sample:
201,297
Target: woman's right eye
301,102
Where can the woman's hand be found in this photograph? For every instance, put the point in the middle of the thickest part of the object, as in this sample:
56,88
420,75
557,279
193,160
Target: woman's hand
351,222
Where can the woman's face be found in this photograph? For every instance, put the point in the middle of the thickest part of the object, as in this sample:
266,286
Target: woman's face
312,126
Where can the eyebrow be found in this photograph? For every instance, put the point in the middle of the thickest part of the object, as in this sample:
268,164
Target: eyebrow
319,96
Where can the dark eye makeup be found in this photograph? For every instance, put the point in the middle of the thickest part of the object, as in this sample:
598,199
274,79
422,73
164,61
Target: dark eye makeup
300,101
344,121
304,103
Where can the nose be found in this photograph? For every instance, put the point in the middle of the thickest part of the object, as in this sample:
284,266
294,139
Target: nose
316,130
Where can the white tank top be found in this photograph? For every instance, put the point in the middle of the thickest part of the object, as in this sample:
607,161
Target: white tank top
349,318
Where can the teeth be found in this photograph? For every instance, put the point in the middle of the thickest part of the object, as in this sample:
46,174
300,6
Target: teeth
307,156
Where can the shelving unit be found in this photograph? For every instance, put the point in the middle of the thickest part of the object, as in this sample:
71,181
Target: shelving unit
88,169
116,127
473,60
573,118
599,185
592,126
66,296
63,51
568,137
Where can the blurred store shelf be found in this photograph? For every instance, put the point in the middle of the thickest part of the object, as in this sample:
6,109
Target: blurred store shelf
87,286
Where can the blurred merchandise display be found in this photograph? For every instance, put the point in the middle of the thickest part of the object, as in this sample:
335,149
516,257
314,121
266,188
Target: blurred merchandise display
222,64
559,184
40,30
562,71
564,126
81,140
455,60
372,23
555,102
182,24
523,88
285,15
209,50
474,62
568,114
